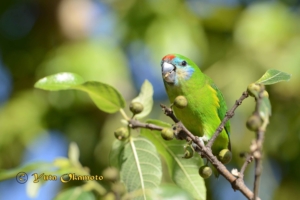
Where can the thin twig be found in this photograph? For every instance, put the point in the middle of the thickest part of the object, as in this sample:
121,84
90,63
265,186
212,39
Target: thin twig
124,114
137,124
169,112
258,163
248,160
228,115
259,144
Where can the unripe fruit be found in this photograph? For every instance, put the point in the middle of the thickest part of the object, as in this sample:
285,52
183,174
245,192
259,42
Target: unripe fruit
167,134
111,174
254,122
265,94
253,89
121,133
136,107
189,151
118,188
225,156
205,171
109,196
180,102
257,154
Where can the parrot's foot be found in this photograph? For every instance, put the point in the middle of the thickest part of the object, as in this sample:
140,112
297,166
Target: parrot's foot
203,139
195,146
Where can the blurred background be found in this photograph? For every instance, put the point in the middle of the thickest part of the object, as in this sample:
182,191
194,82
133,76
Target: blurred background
121,43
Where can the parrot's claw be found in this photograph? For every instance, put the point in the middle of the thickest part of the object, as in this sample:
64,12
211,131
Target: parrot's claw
205,138
195,146
201,140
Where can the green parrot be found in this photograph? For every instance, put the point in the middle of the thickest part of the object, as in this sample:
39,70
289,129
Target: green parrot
205,108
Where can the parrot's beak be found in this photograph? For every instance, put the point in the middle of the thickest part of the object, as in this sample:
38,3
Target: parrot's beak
168,72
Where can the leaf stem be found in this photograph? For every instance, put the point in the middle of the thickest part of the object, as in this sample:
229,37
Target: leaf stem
124,114
138,166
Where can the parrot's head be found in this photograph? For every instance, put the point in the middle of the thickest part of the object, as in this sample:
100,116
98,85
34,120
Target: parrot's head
176,68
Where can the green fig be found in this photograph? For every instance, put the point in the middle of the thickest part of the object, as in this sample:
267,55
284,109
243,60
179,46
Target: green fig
111,174
188,151
254,122
136,107
253,89
205,171
180,102
225,156
121,133
167,134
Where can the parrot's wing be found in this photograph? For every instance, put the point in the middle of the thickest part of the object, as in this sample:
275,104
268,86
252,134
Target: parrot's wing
222,111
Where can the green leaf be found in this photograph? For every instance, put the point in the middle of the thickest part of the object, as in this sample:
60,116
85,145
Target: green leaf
76,193
12,173
265,108
165,191
73,153
141,166
273,76
60,81
184,172
106,98
145,98
62,163
115,154
159,123
170,191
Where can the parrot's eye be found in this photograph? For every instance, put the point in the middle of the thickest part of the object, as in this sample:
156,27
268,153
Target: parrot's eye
183,63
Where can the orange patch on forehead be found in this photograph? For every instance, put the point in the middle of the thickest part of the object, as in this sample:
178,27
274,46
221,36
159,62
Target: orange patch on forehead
169,57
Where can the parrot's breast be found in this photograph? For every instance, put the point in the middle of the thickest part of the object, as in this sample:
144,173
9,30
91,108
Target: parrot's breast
193,114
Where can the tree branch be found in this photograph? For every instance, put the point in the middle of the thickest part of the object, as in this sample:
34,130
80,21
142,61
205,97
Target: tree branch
248,160
169,112
237,184
137,124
